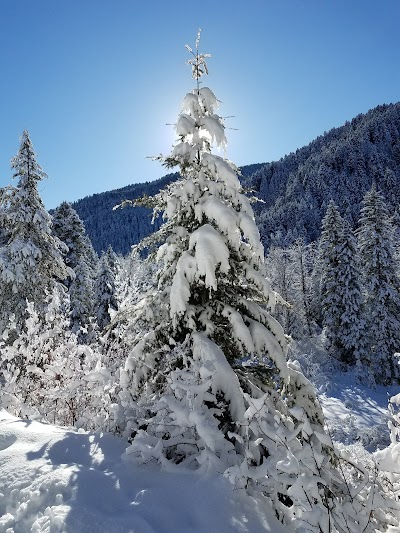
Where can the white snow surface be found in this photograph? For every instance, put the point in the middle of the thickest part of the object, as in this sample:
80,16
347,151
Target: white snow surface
354,412
58,480
368,406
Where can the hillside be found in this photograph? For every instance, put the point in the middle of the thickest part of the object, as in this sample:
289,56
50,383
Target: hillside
342,164
124,227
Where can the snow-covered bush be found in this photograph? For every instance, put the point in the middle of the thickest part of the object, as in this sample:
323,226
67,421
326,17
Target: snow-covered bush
388,459
315,362
46,374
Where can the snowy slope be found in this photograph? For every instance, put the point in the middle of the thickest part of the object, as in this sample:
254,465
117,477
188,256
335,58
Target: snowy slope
57,480
354,412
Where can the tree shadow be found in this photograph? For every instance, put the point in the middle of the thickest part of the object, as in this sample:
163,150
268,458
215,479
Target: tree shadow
359,414
88,487
355,399
101,493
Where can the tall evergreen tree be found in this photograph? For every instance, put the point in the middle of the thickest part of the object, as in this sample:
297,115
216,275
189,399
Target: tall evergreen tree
340,290
31,261
381,284
91,257
69,228
208,384
331,290
352,320
82,259
81,293
282,276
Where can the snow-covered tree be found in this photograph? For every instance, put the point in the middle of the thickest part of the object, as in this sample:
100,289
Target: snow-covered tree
340,289
381,285
69,228
301,256
207,384
331,289
91,257
82,298
112,259
83,261
31,261
352,320
290,271
104,290
135,277
282,278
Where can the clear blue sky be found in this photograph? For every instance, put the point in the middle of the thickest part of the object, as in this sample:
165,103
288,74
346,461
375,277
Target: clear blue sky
96,81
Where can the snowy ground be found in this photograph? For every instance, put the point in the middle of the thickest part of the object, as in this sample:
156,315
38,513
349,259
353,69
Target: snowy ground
355,413
57,480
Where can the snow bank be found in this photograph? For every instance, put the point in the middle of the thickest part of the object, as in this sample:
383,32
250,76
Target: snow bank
58,480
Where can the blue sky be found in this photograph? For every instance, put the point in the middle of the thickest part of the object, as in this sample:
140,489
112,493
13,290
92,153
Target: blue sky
96,81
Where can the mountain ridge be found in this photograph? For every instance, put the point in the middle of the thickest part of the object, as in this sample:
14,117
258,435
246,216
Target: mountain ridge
340,164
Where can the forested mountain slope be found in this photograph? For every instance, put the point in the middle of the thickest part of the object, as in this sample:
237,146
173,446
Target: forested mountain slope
341,165
124,227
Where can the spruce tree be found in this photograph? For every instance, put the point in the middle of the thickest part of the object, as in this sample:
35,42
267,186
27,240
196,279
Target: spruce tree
69,228
90,256
206,384
104,289
82,259
331,292
81,294
282,278
340,289
352,320
31,261
381,285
